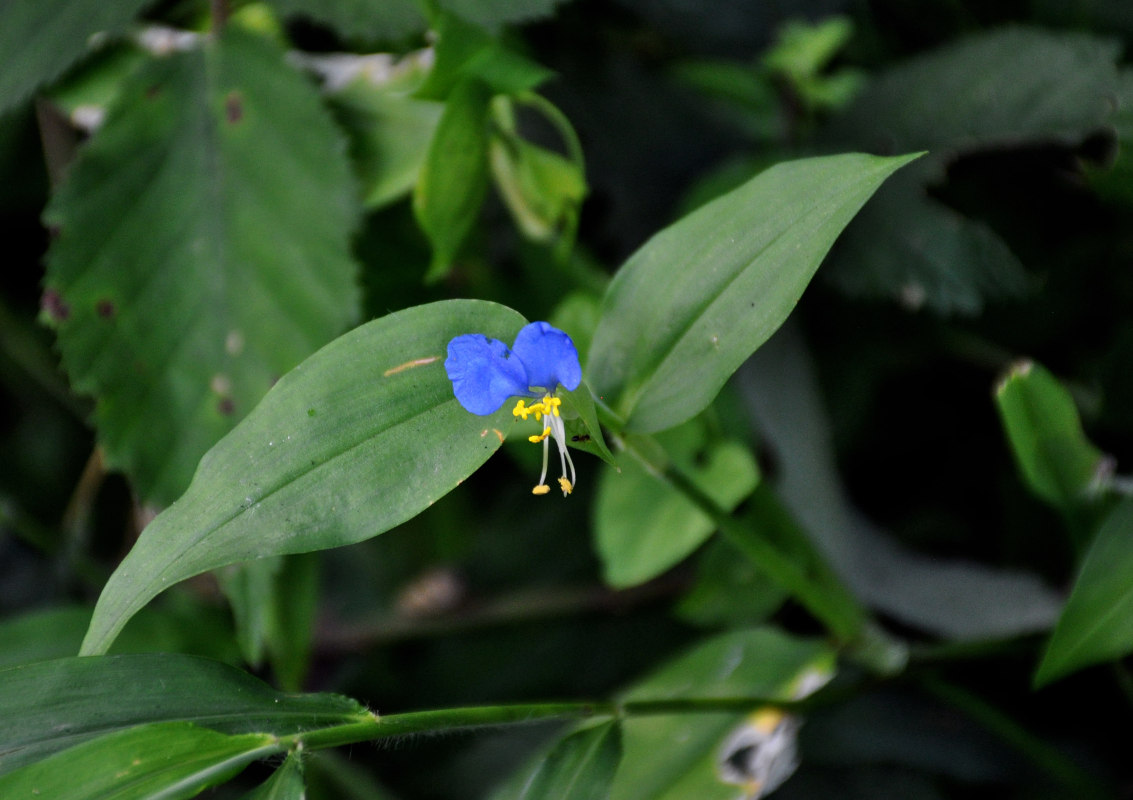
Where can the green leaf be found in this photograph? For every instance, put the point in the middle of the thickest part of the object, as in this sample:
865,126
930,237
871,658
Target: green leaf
1052,452
167,760
390,132
286,783
1097,623
466,51
907,247
363,435
52,705
729,592
699,297
204,251
454,177
368,20
998,87
994,90
542,189
40,40
643,526
676,756
580,766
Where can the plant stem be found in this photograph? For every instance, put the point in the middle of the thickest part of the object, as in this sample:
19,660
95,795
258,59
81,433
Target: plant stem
471,717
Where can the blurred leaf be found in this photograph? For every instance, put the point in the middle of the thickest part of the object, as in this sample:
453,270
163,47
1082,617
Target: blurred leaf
1052,452
173,627
950,597
454,177
203,253
274,602
729,592
368,20
700,296
912,249
465,51
168,760
1097,623
52,705
363,435
1003,88
676,757
1116,182
643,526
331,776
42,39
286,783
493,13
579,766
998,87
390,133
85,94
803,48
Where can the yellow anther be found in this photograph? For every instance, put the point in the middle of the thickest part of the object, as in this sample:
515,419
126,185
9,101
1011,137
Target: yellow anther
521,410
536,439
541,489
551,405
565,485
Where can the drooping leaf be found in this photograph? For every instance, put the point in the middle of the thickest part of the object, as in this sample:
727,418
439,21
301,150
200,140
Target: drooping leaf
1052,452
951,597
699,297
40,40
363,435
52,705
580,766
1097,623
168,760
454,177
674,757
203,252
286,783
643,526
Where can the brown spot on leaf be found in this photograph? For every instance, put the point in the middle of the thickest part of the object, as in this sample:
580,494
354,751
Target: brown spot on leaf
105,308
417,362
225,406
153,91
54,305
233,107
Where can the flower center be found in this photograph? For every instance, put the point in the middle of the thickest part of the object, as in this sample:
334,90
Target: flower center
553,428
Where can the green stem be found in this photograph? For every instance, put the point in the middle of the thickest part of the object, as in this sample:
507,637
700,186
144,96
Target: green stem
825,597
471,717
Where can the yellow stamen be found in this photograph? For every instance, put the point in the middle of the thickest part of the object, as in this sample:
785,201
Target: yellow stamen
541,489
565,485
551,405
536,439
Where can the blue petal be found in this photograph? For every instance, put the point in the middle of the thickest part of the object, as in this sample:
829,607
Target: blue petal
484,373
549,356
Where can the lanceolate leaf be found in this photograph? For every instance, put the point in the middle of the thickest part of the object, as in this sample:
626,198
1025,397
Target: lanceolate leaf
699,297
203,252
363,435
52,705
1097,623
40,40
166,760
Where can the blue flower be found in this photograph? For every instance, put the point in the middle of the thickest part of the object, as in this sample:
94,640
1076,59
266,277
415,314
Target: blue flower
485,373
